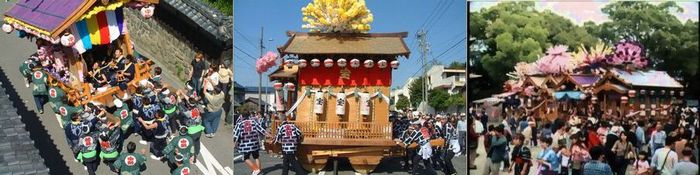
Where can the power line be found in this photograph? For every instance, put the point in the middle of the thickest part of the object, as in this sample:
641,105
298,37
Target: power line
431,14
244,37
246,53
442,13
452,47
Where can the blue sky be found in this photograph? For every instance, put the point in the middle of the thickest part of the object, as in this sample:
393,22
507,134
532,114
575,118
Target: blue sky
389,16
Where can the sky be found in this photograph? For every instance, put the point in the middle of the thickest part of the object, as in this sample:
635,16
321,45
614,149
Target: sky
580,12
446,27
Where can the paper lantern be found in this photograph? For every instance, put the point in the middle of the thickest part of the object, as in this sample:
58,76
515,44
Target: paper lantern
354,63
382,64
673,93
395,64
642,92
328,63
302,63
642,106
624,99
278,86
663,92
582,96
342,62
67,39
290,86
289,63
315,62
147,12
369,64
652,92
7,28
681,93
632,93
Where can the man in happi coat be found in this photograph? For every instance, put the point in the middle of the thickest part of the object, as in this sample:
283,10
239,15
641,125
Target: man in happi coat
289,135
246,139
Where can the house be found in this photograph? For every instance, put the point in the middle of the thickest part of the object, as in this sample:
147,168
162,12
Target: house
404,90
452,80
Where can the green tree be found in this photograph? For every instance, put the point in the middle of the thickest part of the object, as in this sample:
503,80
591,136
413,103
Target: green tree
457,65
416,92
403,103
438,99
456,100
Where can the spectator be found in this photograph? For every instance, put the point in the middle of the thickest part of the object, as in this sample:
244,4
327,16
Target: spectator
547,158
579,154
196,70
472,142
462,130
685,166
641,165
212,116
665,158
521,156
497,148
623,151
657,138
225,79
596,165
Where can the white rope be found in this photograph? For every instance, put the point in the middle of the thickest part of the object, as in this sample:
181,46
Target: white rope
296,104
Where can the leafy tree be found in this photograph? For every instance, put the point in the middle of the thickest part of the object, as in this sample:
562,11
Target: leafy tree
457,65
456,100
225,6
403,102
416,92
438,99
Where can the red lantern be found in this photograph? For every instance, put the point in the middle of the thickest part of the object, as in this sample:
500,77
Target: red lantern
328,63
290,86
278,86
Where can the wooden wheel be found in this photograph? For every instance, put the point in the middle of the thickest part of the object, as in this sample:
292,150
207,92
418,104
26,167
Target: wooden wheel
364,164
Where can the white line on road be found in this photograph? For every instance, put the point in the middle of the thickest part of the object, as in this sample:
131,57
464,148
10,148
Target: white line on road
211,163
237,157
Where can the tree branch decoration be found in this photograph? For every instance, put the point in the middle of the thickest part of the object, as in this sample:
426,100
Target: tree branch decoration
523,69
265,62
629,53
344,16
557,61
593,57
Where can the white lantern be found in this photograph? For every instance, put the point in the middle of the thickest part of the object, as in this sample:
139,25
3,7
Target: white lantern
67,39
643,92
673,93
342,62
302,63
354,63
582,96
632,93
381,64
328,63
652,92
289,63
369,64
681,93
623,99
395,64
663,92
147,11
290,86
315,62
278,86
7,28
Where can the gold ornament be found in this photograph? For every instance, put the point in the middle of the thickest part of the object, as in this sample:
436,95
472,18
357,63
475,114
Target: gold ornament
344,16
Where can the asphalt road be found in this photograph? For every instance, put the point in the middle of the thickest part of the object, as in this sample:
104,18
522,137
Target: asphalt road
216,156
392,165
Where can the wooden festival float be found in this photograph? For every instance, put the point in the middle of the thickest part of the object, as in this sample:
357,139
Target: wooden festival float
599,77
75,34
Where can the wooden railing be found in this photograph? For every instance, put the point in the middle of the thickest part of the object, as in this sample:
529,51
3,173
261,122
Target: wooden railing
342,132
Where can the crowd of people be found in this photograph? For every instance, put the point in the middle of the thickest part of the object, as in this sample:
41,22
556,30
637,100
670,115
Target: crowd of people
586,141
170,121
418,133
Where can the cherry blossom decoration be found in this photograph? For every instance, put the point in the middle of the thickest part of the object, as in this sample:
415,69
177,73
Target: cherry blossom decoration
557,61
523,69
265,62
629,53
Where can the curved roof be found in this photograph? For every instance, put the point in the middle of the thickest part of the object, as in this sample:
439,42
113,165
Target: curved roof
345,43
48,17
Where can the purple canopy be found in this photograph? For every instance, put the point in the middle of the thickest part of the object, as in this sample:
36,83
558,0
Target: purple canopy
45,14
585,80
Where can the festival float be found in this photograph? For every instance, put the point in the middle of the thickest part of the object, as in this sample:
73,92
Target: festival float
337,79
599,78
71,34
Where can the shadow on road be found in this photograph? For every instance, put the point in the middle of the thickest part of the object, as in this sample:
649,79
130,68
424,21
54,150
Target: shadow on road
37,131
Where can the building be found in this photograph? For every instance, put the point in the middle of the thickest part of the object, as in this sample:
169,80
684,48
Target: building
251,95
404,90
451,80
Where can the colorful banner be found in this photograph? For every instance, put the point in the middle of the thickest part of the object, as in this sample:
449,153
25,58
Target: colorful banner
101,28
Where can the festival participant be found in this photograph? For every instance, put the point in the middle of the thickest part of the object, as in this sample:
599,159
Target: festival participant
197,67
422,139
211,79
520,156
160,136
56,94
73,132
547,160
452,146
127,73
405,137
182,145
88,149
170,108
579,154
497,143
130,162
437,131
109,147
641,165
658,138
623,151
124,114
26,69
462,129
191,118
664,158
289,135
685,166
639,133
473,145
39,91
157,76
596,165
212,116
245,138
147,115
183,165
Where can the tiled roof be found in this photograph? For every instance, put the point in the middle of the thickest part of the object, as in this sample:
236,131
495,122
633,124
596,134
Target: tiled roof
651,78
48,15
207,18
585,80
334,43
17,152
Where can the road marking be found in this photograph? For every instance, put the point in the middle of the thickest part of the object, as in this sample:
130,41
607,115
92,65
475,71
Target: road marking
211,163
237,157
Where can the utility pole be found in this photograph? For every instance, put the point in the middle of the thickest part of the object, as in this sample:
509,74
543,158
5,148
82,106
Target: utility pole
424,49
262,47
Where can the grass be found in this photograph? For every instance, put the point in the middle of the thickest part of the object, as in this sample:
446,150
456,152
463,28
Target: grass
225,6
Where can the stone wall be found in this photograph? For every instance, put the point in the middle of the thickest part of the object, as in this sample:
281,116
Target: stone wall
167,47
